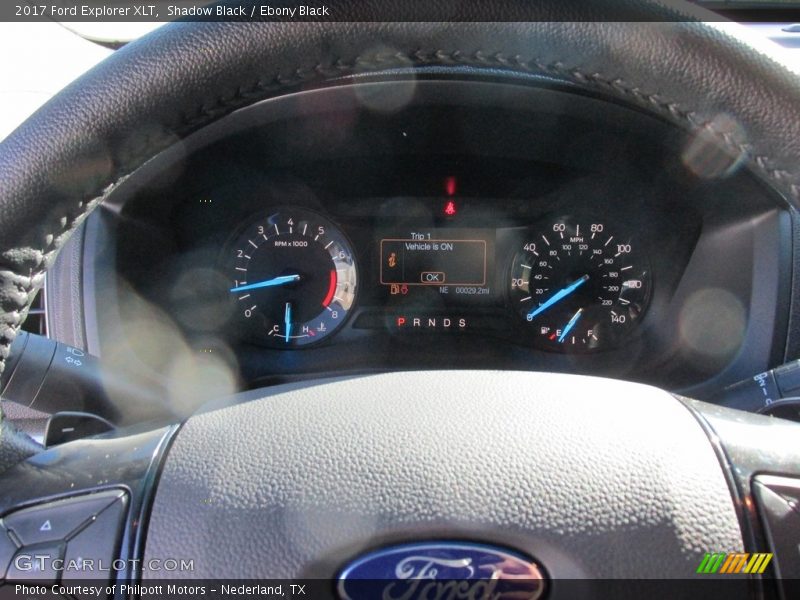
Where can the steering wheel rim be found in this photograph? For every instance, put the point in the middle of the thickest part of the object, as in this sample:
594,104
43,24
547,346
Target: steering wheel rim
83,144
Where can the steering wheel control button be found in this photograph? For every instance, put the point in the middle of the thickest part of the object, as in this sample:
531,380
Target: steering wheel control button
91,552
7,550
57,520
36,564
787,488
779,503
427,570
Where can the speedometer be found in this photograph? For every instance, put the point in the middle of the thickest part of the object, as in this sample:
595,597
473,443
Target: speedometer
579,286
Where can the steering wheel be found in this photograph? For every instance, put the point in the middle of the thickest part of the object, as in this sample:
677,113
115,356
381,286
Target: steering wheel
582,477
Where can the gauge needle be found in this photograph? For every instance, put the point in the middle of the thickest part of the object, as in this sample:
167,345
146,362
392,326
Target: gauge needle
282,280
570,325
560,295
287,320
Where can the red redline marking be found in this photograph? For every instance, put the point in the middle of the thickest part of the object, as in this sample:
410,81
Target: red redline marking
331,290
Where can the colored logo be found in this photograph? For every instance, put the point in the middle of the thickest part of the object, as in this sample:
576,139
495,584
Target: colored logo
736,562
442,570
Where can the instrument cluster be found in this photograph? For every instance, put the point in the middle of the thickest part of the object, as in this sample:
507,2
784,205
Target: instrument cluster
284,278
479,227
569,283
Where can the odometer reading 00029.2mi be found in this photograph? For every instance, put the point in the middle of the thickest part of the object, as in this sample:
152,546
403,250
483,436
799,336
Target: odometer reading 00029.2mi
580,286
293,278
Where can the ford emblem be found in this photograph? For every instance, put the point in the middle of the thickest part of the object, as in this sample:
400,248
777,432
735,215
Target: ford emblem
443,570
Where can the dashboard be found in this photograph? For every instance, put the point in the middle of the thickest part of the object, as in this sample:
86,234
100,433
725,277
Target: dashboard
441,222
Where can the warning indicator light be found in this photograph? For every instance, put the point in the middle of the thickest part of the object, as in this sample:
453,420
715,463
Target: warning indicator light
450,208
450,185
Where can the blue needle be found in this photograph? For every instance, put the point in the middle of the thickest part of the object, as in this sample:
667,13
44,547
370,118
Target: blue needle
287,320
282,280
560,295
570,325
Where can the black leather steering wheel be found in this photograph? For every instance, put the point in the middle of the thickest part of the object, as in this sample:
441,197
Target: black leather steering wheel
573,472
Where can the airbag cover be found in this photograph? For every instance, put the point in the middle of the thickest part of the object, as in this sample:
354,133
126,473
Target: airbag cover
592,477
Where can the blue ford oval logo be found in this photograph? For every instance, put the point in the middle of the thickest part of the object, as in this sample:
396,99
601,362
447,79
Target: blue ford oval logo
443,570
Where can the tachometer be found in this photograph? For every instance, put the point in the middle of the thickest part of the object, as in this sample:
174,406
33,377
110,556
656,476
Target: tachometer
580,286
293,278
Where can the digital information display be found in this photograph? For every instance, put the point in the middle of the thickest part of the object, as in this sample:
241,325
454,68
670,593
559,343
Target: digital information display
424,260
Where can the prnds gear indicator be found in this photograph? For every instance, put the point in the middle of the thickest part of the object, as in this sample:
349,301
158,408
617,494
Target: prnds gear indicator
580,286
424,260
